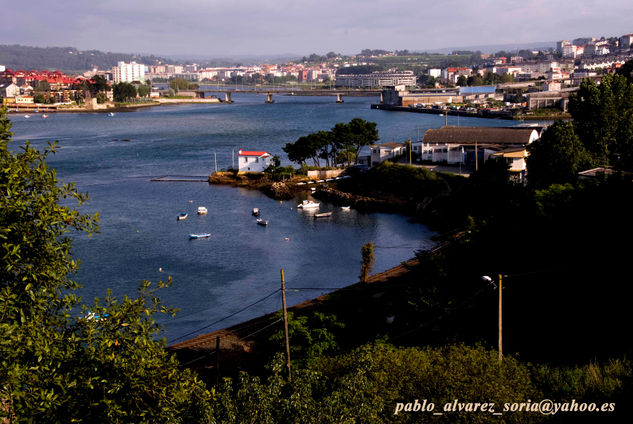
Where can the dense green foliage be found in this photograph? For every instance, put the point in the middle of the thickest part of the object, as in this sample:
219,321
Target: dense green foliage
367,385
182,84
123,91
340,145
66,58
61,361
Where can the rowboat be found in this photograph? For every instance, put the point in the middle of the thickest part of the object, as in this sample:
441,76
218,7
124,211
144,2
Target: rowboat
199,236
323,215
202,210
182,216
263,222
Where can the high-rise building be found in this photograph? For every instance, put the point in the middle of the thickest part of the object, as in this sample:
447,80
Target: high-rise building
128,72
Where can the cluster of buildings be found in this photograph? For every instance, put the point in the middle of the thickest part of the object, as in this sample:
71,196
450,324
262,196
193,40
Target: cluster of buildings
589,46
467,146
18,87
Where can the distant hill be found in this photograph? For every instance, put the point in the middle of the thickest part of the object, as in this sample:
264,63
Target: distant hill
493,48
67,59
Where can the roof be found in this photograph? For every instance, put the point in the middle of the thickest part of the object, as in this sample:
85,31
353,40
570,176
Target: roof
482,89
252,153
479,135
389,145
517,153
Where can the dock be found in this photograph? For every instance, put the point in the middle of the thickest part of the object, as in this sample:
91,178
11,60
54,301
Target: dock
182,178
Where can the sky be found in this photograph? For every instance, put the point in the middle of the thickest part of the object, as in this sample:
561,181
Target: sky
267,27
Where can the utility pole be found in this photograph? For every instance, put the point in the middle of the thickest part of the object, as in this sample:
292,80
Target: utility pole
500,319
283,302
215,160
217,360
410,148
476,157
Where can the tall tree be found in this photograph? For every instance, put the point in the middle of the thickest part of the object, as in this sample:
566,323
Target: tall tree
557,157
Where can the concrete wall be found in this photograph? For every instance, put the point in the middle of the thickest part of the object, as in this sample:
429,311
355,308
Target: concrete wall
323,174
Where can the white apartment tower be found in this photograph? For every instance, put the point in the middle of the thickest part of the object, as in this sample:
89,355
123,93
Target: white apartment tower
128,72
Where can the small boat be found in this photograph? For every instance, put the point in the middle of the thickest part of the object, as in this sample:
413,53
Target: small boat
27,116
255,211
308,204
263,222
111,114
45,116
323,215
345,208
182,216
199,236
312,189
202,210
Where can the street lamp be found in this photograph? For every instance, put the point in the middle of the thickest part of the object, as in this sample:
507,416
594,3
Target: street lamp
491,281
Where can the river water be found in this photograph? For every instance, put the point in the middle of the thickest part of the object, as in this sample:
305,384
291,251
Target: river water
114,158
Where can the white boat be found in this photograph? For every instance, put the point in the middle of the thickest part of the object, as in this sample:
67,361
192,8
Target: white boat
345,208
263,222
202,210
45,116
323,215
308,204
199,236
255,212
111,114
182,216
27,116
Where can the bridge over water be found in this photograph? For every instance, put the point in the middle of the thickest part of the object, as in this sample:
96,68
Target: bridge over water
287,91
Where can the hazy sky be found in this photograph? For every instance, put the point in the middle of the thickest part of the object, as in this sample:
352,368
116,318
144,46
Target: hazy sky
239,27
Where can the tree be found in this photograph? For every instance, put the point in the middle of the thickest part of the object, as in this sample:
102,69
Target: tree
462,81
62,361
626,71
355,135
602,120
557,157
144,90
367,262
123,91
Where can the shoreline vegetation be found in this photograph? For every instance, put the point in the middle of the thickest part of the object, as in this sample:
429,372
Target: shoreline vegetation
113,107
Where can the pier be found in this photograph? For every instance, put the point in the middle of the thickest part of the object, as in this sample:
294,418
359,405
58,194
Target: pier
181,179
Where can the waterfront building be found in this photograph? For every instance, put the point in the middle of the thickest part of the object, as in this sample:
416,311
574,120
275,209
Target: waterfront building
455,145
253,161
128,72
399,96
376,79
384,151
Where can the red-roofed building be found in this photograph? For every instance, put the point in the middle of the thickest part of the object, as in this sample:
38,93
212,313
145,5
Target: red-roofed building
253,161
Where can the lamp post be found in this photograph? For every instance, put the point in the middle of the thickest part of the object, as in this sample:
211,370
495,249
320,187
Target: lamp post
500,328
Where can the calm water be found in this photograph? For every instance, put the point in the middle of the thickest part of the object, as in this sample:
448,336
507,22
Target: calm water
113,159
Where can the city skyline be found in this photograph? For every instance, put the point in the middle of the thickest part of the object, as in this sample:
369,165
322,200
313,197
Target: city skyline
246,27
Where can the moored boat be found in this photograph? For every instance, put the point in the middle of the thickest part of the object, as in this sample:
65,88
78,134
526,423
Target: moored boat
182,216
345,208
199,236
263,222
308,204
45,116
27,116
255,212
323,215
202,210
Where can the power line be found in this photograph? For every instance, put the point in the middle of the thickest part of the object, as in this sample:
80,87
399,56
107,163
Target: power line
226,317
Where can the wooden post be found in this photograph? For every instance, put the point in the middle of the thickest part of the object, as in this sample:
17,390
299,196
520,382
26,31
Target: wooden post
217,360
283,302
476,158
500,318
410,148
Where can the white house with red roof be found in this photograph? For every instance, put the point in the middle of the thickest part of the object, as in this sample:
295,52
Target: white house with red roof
253,161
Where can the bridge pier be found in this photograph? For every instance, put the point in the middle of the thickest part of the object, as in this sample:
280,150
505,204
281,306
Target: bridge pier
269,98
227,97
339,98
381,99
